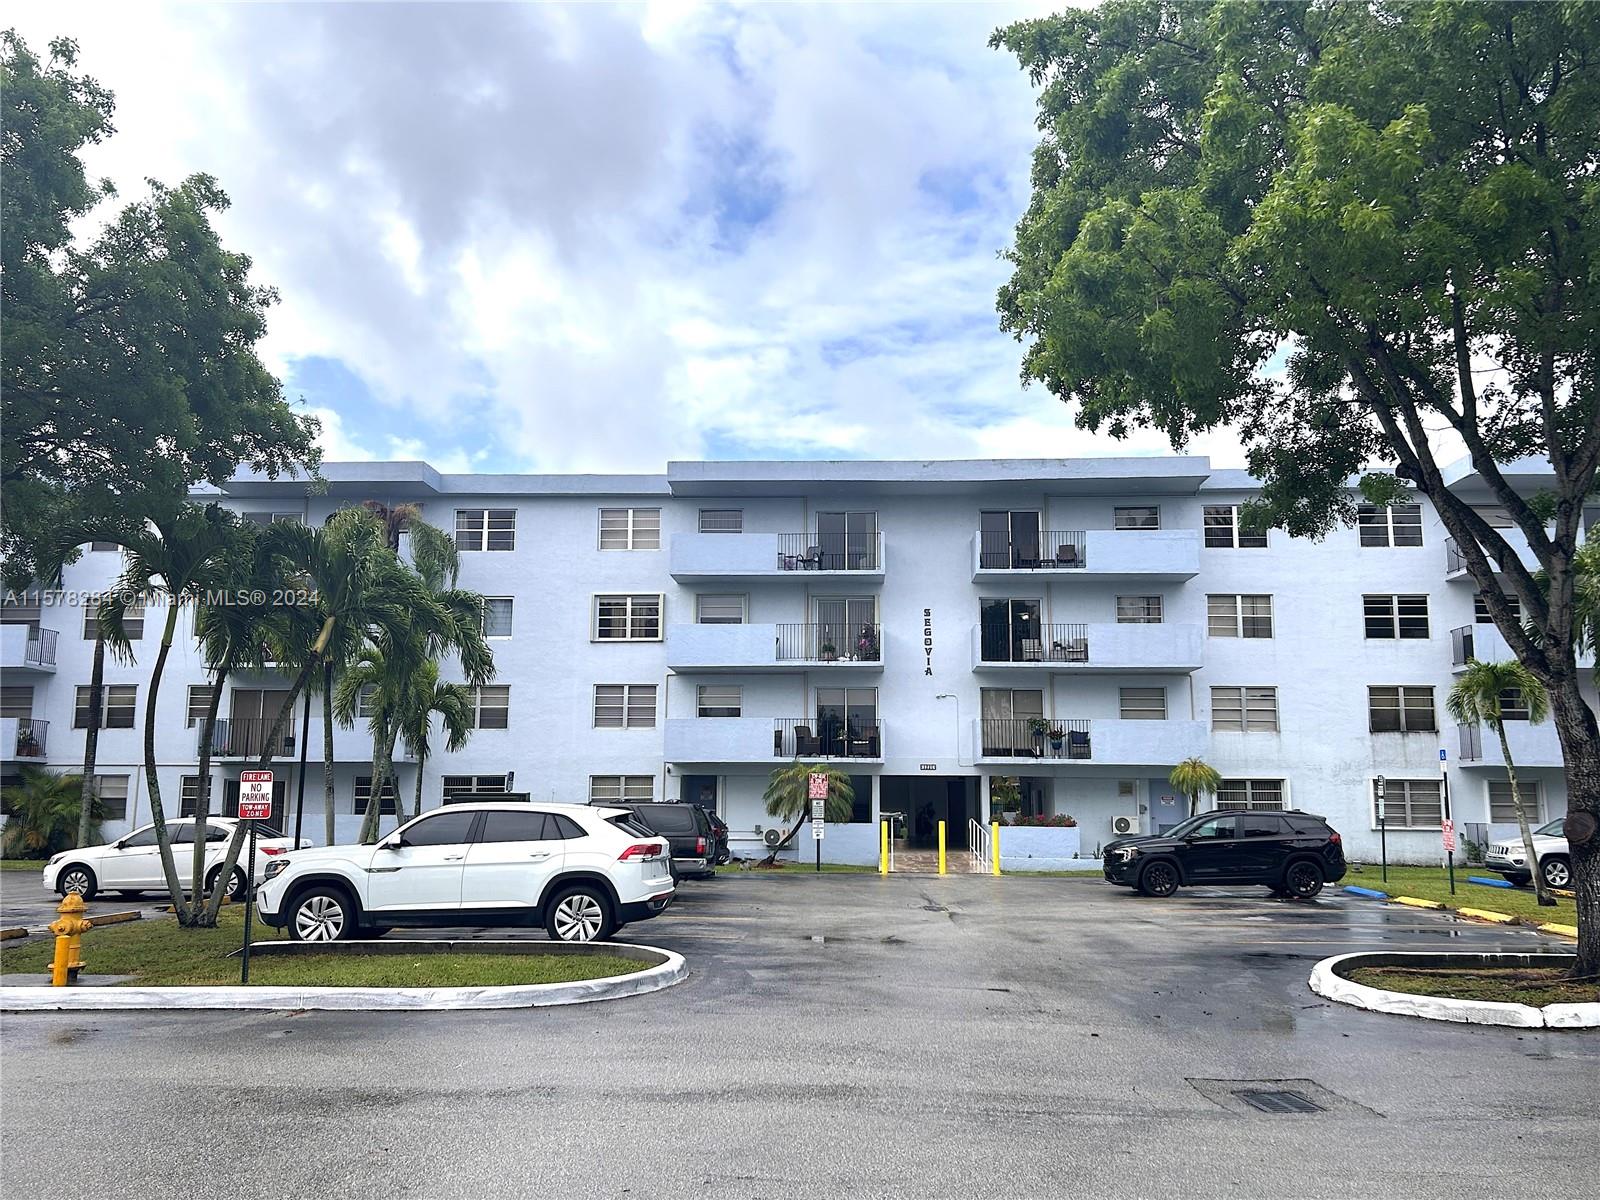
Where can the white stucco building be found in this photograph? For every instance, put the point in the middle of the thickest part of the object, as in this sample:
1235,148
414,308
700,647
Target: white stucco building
1080,625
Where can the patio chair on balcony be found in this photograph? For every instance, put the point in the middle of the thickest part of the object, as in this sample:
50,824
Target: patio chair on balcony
1071,650
806,742
811,560
1077,743
1068,555
864,744
1032,650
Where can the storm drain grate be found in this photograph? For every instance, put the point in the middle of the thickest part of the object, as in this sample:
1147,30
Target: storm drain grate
1278,1102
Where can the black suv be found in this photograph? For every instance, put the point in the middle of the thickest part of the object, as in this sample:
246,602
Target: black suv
1293,853
689,831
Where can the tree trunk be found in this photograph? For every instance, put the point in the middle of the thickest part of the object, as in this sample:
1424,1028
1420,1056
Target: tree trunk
202,803
380,773
91,736
327,753
169,868
1539,888
1580,750
286,710
772,858
422,760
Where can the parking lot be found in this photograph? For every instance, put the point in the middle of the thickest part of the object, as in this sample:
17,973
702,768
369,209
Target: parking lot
846,1035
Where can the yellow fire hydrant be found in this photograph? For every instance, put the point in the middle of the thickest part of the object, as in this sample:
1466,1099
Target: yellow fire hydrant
68,928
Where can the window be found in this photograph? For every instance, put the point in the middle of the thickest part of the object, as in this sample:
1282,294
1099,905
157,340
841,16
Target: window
719,610
630,529
1216,828
491,707
722,520
1223,531
1396,616
486,529
132,621
100,546
719,700
363,793
199,704
1138,610
444,829
366,701
1260,824
1390,525
1513,705
271,518
497,616
624,706
1240,794
1480,609
459,788
1248,615
1142,517
632,789
1401,710
189,795
1503,812
517,827
117,713
1408,804
113,793
1244,709
17,701
145,837
1143,703
628,618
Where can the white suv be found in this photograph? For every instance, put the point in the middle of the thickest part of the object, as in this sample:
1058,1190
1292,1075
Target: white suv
1549,843
582,872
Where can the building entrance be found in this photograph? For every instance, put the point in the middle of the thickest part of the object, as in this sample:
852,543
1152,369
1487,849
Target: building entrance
926,800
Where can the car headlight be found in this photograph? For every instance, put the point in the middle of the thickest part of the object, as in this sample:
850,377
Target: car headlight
275,868
54,859
1128,852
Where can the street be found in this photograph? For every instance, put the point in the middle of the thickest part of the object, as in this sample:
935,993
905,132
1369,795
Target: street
844,1036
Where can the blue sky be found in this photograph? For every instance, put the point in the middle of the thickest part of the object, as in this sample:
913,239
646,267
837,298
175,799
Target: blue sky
529,238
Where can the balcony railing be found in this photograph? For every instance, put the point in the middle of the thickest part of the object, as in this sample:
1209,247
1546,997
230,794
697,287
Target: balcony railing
1045,643
826,737
246,737
1471,742
829,641
1461,643
31,736
828,551
41,649
1054,550
1035,737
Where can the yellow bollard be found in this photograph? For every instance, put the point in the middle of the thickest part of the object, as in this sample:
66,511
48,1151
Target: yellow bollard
883,847
941,847
68,928
994,843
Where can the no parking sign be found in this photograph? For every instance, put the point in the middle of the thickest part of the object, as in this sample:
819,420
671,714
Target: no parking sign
255,795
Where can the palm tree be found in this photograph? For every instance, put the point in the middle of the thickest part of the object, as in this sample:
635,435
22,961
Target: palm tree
428,695
1479,697
788,797
1195,778
44,814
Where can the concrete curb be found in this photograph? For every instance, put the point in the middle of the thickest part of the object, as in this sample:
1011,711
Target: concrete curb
1327,980
1570,931
1413,902
672,969
1472,914
1483,914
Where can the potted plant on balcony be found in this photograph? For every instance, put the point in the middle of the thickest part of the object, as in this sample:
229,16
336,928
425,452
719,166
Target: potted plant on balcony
828,651
1057,735
1040,729
867,645
27,744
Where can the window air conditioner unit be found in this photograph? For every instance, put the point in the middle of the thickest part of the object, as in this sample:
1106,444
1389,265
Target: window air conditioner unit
1125,826
773,838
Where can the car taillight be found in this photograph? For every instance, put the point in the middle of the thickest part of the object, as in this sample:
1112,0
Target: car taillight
1333,838
699,845
273,849
639,850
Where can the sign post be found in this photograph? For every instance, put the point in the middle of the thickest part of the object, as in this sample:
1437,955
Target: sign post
1447,826
817,792
255,804
1383,830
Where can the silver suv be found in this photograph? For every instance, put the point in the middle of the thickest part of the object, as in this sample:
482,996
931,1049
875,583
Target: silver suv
1510,859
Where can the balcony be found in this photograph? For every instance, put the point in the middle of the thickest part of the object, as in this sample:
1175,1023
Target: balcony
826,645
1108,742
770,740
1103,555
24,738
1485,642
244,738
1531,745
27,650
1087,649
1455,563
736,557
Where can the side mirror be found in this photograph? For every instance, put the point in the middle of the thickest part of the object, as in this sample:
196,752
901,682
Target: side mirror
394,842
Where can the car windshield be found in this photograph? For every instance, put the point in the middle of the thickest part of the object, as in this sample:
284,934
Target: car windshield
1183,827
1556,828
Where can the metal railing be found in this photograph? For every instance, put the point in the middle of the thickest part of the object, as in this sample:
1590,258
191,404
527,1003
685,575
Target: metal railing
1036,737
1461,646
1051,643
1052,550
829,641
818,737
41,649
1471,742
828,551
246,737
978,846
1454,560
31,736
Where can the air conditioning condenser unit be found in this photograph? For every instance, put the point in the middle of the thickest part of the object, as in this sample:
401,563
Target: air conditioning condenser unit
1125,826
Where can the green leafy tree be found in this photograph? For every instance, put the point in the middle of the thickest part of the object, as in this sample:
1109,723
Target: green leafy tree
128,368
1478,697
1356,233
43,818
1195,778
425,696
788,797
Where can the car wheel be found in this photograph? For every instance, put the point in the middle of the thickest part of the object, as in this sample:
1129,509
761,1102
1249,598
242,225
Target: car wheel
582,914
76,880
1557,871
1158,879
1516,880
1303,880
235,892
321,915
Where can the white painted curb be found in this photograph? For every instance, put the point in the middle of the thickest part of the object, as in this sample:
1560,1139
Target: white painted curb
1326,982
532,995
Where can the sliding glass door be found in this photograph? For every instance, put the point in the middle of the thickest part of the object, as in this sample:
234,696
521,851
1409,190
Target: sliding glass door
1009,630
847,722
848,540
1008,538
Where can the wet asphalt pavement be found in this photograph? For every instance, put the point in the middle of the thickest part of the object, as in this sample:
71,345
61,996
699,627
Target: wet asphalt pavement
846,1036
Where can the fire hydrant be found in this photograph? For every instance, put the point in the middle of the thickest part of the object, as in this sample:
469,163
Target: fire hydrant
68,928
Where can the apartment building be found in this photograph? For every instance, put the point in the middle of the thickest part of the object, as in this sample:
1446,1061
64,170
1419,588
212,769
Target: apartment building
1079,625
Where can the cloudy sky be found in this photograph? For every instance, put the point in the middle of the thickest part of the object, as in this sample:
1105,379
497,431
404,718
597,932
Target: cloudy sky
525,238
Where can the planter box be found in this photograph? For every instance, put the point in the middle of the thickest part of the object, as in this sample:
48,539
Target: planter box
1038,849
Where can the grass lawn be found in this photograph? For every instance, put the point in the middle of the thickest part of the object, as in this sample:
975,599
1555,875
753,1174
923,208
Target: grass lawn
159,953
22,864
1517,985
1431,883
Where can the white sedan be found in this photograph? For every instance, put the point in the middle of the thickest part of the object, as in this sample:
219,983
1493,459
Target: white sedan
1549,844
133,863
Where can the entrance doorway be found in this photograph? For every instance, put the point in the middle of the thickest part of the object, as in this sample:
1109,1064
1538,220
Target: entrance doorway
926,800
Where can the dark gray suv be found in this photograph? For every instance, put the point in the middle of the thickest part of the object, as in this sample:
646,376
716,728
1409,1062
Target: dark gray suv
687,828
1293,853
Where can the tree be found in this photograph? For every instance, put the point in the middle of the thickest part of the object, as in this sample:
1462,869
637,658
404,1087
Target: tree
425,696
1195,778
129,367
43,818
1478,697
1338,229
788,797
